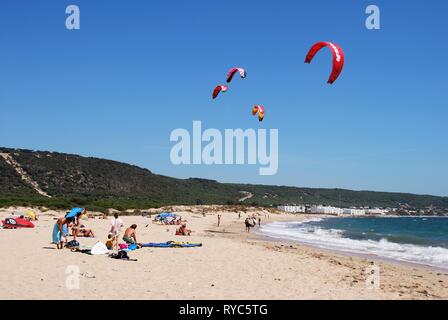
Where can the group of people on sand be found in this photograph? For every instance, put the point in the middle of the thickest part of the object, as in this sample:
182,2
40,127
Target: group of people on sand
30,216
251,222
177,221
173,222
73,220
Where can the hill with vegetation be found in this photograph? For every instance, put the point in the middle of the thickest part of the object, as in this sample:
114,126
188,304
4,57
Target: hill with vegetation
66,180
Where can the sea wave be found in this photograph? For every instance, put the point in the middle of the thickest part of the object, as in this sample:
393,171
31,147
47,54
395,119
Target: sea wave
333,239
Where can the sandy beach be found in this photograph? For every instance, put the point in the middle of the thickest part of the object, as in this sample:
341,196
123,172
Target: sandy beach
231,264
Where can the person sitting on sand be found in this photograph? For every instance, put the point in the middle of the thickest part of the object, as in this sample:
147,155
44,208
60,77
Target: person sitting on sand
111,242
183,231
130,236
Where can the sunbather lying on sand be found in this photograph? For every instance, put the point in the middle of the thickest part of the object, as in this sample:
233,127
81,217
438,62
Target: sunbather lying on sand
83,232
183,231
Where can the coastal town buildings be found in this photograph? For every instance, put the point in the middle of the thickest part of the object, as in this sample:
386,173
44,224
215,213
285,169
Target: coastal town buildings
354,212
326,210
292,209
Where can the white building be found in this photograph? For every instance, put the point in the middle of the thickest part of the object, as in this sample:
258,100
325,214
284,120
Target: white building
292,209
326,210
354,212
377,211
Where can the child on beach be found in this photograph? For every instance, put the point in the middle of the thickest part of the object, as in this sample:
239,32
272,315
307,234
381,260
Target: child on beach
115,230
116,225
111,242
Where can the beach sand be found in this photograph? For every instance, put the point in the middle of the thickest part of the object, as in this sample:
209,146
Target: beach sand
231,264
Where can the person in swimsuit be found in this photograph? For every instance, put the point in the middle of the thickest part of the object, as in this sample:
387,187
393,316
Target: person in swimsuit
130,236
83,232
183,231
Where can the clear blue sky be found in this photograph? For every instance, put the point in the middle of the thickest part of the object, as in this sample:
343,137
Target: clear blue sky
139,69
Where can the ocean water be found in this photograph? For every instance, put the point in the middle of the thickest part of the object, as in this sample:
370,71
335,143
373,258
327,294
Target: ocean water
422,240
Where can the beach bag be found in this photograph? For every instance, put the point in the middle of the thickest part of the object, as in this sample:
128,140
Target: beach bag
72,244
120,255
123,246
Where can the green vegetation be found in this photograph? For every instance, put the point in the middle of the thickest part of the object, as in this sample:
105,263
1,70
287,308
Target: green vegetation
99,184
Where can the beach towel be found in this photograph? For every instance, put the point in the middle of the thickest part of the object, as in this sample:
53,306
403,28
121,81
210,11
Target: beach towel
99,248
14,223
171,244
57,236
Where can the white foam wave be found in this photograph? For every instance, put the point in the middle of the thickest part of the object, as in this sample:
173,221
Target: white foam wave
333,239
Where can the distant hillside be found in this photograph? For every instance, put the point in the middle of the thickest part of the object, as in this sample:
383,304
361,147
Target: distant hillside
99,184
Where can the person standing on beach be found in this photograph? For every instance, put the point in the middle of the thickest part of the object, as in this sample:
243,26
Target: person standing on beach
115,230
259,221
60,232
248,225
74,216
62,225
219,219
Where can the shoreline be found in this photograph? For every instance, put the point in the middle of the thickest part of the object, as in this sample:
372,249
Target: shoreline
342,257
373,257
370,256
231,265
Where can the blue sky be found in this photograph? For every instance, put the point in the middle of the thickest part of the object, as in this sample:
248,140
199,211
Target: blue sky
139,69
